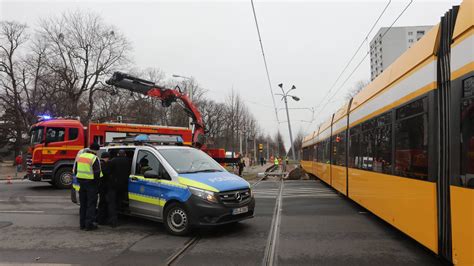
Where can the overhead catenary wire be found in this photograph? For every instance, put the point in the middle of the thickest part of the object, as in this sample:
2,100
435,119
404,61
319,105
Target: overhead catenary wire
265,62
367,53
365,56
355,53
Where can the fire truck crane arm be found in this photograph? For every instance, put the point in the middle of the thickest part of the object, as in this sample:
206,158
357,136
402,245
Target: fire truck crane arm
167,96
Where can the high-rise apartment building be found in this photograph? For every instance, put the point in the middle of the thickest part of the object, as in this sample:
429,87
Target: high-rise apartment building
387,46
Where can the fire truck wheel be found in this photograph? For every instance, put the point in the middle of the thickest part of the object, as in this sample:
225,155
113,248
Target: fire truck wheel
63,178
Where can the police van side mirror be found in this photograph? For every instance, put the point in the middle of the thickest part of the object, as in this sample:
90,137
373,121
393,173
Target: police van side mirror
151,174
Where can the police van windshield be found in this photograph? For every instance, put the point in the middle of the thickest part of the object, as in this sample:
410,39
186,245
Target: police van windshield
190,161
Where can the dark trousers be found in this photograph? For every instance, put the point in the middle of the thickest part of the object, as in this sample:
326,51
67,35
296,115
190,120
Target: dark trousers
102,215
88,201
112,205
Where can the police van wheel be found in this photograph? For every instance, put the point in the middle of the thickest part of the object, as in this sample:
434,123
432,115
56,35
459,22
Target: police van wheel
177,220
63,178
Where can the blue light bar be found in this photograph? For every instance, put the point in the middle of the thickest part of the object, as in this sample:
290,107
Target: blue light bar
142,138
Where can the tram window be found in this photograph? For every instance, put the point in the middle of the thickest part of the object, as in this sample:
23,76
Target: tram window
412,108
354,151
411,140
468,88
327,154
322,156
325,151
366,150
320,151
467,134
339,149
354,160
383,149
315,152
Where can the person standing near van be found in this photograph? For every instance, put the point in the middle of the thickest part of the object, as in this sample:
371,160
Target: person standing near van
88,172
102,215
117,189
241,165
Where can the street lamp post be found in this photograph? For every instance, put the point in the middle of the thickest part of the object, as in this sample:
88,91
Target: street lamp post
284,95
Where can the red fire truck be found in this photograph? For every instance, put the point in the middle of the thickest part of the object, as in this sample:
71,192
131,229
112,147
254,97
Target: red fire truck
55,143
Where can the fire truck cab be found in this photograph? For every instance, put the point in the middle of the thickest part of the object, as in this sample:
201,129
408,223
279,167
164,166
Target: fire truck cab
55,143
53,148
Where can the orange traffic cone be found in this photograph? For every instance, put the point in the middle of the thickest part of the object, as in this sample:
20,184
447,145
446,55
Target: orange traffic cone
9,179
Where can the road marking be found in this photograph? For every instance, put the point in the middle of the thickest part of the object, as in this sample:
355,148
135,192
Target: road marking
272,242
292,192
21,211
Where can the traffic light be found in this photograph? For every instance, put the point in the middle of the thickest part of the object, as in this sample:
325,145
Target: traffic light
260,147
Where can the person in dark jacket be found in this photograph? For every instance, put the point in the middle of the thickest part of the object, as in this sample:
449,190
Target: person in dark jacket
241,165
117,188
87,171
103,184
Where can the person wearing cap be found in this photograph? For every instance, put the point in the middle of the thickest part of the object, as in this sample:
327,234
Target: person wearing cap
88,172
102,216
117,188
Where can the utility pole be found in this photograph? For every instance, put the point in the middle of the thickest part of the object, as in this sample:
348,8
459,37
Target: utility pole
240,142
284,97
268,151
255,149
246,143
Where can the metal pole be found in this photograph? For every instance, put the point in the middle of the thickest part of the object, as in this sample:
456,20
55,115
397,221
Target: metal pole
289,128
268,151
240,142
246,144
255,149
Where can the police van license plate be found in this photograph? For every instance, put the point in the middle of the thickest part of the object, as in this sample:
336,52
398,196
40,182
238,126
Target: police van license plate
240,210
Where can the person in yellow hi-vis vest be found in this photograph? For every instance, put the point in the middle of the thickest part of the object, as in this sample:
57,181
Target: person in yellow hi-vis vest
87,171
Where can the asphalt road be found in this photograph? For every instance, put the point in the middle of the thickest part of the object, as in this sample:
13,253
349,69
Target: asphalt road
312,225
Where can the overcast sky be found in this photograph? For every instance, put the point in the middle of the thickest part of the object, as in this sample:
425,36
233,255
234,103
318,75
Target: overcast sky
307,44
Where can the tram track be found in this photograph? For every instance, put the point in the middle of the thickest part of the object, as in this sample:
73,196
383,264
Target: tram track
273,236
193,241
174,258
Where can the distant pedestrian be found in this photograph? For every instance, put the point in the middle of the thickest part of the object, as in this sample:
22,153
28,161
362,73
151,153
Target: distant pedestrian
262,161
117,189
102,215
88,172
241,165
19,162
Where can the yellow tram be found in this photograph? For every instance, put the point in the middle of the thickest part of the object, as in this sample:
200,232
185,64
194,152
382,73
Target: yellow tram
403,147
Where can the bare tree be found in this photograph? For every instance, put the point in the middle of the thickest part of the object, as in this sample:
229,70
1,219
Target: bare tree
358,86
81,51
12,37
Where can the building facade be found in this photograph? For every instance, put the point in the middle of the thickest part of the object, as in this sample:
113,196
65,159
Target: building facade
387,46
